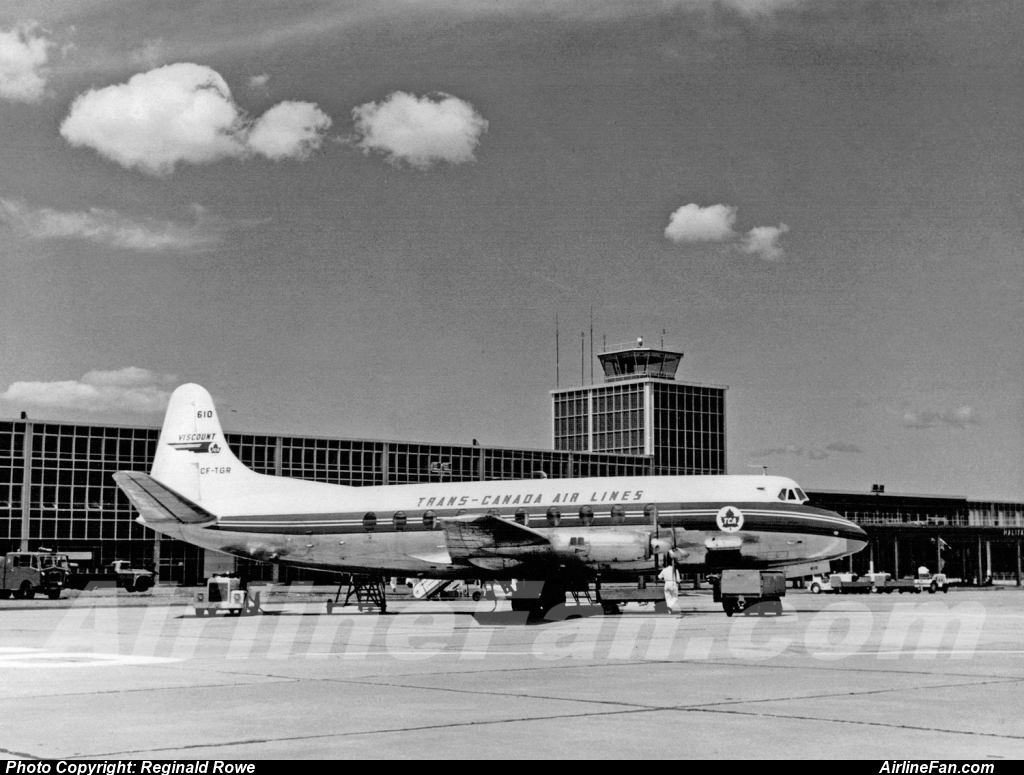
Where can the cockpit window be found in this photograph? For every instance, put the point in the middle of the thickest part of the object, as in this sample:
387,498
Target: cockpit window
782,494
800,495
796,495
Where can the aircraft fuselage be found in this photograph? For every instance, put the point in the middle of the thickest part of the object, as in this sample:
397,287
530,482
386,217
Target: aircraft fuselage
608,528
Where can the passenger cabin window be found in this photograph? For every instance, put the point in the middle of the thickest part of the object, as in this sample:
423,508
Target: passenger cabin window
554,516
521,516
429,520
400,520
370,522
586,515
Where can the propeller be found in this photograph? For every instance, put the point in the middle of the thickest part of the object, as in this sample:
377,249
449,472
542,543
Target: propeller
668,543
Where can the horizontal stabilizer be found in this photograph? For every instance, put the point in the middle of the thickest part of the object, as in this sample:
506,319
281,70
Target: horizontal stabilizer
157,503
484,535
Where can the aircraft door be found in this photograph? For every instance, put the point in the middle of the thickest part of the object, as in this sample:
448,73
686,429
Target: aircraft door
651,514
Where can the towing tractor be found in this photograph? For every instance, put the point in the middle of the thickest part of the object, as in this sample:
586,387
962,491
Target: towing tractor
225,593
26,574
935,582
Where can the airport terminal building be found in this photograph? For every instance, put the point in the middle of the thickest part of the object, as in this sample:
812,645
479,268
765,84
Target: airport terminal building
56,489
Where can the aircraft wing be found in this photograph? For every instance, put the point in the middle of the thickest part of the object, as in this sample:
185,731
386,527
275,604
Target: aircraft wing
157,503
483,535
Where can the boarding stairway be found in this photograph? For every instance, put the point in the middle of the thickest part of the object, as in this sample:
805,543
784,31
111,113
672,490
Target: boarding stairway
425,589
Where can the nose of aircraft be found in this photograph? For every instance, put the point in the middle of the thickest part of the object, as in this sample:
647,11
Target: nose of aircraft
856,538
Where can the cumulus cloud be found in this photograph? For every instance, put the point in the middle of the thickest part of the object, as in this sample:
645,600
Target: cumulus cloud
715,223
693,223
107,227
130,389
24,52
763,242
289,130
960,417
184,113
419,131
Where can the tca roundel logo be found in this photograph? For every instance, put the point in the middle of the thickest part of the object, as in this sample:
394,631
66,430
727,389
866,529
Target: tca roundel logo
729,519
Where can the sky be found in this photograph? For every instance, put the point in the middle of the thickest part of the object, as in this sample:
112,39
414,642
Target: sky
362,219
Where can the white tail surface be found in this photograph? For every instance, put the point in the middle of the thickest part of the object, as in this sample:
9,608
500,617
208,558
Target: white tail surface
194,460
192,439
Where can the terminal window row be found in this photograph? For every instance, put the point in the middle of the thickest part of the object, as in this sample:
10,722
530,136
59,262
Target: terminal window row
49,441
12,439
71,530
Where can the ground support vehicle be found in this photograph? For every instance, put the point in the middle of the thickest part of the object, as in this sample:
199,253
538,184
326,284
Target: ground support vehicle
26,574
611,597
819,584
935,582
891,585
119,573
225,593
855,586
750,591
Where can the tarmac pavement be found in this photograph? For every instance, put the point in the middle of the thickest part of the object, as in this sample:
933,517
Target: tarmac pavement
109,675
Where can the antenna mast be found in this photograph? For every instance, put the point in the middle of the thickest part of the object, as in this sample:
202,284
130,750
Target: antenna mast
556,351
583,358
591,344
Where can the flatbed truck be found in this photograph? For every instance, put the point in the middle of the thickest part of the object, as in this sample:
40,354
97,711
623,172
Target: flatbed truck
119,573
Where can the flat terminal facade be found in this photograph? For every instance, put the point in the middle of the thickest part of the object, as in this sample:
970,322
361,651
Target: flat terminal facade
972,540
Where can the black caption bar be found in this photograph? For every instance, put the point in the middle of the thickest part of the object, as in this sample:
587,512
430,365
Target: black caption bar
138,767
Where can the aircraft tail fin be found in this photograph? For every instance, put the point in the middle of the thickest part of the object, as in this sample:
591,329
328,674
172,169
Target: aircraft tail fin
192,440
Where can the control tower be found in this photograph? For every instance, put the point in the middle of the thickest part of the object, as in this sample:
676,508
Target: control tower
642,409
630,361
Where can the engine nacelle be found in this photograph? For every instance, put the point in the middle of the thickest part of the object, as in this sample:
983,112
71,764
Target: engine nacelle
602,546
